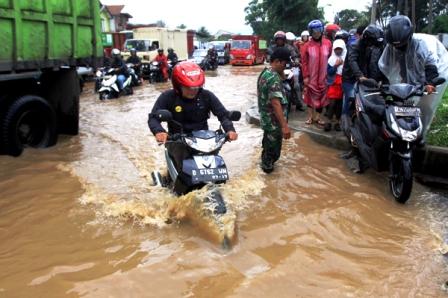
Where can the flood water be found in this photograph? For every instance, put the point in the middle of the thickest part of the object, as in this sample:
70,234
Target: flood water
81,219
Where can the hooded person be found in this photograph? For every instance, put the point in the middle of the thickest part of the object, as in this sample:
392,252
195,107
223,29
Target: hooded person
334,81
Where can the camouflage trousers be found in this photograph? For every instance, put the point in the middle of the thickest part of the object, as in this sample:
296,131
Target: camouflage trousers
272,147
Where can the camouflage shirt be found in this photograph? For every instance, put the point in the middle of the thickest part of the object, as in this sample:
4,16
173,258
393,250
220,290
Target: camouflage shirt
269,86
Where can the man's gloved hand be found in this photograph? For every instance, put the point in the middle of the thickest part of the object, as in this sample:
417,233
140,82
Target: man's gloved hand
161,137
232,136
430,89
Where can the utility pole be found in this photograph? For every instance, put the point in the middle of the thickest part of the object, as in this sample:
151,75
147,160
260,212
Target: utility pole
406,8
373,15
430,17
413,13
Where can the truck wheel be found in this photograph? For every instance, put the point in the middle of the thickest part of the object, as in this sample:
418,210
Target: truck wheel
29,121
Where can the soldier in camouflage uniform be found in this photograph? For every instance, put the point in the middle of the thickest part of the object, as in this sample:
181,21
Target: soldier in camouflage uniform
272,105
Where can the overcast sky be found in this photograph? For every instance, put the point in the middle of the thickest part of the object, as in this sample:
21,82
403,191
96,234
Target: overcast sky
213,14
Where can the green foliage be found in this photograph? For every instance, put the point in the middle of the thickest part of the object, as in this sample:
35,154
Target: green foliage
389,8
351,18
438,133
203,34
181,26
440,24
268,16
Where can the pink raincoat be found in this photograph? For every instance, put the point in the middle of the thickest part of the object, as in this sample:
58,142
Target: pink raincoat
314,67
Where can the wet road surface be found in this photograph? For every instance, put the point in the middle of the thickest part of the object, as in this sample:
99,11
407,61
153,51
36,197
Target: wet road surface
82,219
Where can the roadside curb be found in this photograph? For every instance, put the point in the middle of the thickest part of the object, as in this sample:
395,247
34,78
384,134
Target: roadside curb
430,162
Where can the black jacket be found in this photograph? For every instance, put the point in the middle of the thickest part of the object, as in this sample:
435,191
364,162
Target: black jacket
134,60
191,113
117,63
362,61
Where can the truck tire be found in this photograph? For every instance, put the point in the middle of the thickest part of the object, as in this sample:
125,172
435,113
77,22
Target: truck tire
29,121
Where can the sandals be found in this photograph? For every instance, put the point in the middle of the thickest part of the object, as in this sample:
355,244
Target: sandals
309,121
319,123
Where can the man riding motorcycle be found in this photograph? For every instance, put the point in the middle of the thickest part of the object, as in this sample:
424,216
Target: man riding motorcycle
120,67
172,56
280,41
212,55
163,63
136,61
189,103
414,59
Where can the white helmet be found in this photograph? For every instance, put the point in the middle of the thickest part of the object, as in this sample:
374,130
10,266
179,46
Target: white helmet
116,52
290,36
305,33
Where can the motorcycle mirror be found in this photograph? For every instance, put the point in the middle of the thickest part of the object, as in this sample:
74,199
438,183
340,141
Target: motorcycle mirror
370,83
438,81
234,115
163,115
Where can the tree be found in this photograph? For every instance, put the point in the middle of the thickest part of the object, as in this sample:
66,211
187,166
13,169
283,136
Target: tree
203,34
161,24
181,26
440,24
351,18
421,9
267,16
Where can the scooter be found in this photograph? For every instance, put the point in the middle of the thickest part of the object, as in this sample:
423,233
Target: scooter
289,87
135,79
109,88
208,64
155,73
387,123
193,163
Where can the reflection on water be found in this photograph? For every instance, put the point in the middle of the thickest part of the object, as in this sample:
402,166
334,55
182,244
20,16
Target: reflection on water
82,219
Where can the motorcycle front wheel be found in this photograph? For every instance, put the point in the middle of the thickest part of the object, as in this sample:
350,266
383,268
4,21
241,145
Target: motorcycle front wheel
400,179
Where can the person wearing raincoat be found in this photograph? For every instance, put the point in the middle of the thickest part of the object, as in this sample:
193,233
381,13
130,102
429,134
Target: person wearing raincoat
314,66
415,59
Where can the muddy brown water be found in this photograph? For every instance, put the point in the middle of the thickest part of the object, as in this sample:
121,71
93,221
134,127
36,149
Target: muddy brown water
82,219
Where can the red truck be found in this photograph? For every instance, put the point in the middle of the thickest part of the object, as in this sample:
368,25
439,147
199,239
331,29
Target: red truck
247,50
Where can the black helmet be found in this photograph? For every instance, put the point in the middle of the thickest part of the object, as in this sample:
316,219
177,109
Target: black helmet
160,50
342,34
373,35
170,50
399,31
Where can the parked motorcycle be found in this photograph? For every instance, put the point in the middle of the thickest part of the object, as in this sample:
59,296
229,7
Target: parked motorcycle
193,163
385,128
108,88
155,73
289,86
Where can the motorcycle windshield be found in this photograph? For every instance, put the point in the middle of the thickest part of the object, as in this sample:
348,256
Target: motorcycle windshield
203,134
402,90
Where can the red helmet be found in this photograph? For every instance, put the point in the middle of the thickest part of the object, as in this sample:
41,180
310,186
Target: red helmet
187,74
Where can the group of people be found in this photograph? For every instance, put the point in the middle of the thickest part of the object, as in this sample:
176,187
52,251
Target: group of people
332,61
117,62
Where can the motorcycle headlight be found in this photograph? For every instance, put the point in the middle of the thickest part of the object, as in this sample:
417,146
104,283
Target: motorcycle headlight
99,73
205,145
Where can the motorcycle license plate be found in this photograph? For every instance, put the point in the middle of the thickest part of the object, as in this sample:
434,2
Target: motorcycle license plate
209,175
407,111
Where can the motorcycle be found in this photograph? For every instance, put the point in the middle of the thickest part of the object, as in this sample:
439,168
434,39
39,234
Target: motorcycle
155,73
108,88
289,87
135,79
171,64
193,163
208,64
387,123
